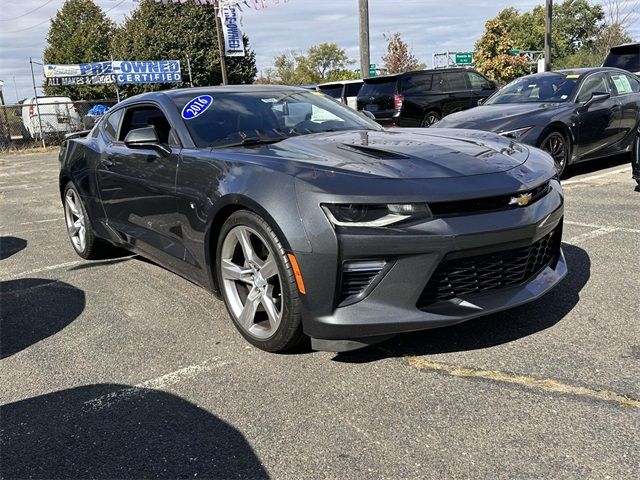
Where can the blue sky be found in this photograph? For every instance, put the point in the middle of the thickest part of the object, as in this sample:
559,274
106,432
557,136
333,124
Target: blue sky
428,26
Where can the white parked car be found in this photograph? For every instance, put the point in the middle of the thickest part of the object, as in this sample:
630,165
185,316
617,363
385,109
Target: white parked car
345,91
58,115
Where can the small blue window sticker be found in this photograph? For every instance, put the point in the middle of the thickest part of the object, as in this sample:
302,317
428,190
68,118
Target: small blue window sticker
197,107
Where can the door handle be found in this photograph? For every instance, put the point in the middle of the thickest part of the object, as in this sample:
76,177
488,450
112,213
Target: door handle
107,163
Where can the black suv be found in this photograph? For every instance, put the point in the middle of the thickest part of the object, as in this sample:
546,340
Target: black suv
421,98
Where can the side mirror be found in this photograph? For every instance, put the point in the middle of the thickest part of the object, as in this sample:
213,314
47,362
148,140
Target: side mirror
481,101
145,137
597,97
368,114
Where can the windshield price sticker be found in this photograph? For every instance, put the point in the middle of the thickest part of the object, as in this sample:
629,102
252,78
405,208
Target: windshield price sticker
197,106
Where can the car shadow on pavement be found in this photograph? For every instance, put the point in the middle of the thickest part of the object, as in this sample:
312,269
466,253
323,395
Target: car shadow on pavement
492,330
117,431
34,309
10,246
597,165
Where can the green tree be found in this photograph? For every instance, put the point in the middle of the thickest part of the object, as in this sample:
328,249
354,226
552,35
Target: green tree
325,62
576,26
492,54
172,32
399,57
79,33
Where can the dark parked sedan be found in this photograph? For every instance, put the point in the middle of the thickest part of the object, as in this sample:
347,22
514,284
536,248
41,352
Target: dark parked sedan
575,115
312,221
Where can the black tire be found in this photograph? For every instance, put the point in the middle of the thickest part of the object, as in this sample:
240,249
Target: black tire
635,158
557,145
430,118
288,334
94,248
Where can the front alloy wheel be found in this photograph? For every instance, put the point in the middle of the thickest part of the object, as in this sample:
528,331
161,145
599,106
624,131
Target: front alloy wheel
74,216
258,284
556,145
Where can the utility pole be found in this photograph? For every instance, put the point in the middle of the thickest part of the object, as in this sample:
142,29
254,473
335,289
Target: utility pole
365,57
547,34
223,61
35,92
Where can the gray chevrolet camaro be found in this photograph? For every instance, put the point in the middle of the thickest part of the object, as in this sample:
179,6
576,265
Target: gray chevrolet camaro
310,220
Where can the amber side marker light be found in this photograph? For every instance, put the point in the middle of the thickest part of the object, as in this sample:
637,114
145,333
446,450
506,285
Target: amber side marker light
296,272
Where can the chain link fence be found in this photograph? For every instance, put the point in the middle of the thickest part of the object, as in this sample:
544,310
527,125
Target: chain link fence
21,126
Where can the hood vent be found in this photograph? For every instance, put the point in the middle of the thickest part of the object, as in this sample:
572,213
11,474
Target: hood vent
373,152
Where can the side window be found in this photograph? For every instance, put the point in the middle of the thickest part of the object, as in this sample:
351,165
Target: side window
147,116
437,84
455,81
417,83
353,89
594,83
625,84
112,123
478,82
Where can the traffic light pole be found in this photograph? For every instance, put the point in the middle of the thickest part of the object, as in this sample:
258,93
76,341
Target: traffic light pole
547,34
365,57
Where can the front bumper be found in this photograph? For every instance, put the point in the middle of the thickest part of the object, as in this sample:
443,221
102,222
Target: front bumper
393,305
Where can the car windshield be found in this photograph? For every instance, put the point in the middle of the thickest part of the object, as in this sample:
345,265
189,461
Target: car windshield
255,117
334,91
386,87
626,57
554,87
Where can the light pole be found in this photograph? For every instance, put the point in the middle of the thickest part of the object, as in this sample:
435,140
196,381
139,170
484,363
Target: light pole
547,34
223,61
365,57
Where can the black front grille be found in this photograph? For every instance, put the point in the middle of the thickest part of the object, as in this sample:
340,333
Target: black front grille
464,276
486,204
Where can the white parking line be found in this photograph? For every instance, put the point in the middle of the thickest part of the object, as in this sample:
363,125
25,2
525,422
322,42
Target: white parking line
592,234
598,227
35,222
45,269
109,399
596,176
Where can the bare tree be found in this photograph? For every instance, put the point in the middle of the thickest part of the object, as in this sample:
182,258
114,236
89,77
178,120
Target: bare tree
620,16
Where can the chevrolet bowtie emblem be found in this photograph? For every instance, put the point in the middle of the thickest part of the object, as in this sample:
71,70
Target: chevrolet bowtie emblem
521,200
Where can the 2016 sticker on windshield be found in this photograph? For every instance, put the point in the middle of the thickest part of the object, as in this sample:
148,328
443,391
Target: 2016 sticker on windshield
197,106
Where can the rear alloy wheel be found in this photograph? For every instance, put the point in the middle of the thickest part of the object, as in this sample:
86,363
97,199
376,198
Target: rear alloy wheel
258,284
430,118
79,228
556,145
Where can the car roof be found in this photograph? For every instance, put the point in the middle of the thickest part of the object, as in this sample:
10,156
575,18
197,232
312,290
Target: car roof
430,70
585,70
174,92
340,82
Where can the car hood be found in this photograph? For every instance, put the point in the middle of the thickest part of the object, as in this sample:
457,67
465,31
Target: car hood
503,117
397,153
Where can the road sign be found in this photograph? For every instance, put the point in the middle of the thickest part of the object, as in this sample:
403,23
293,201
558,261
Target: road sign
372,69
514,52
464,58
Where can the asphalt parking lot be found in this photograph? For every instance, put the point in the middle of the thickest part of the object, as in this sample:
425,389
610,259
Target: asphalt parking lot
121,369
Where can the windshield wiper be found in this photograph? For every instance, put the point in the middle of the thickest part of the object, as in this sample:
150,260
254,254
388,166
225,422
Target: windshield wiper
251,141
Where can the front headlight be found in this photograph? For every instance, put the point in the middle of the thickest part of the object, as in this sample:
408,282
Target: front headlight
516,134
375,215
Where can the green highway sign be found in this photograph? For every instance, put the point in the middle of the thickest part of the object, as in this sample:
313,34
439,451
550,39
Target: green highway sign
514,52
464,58
372,69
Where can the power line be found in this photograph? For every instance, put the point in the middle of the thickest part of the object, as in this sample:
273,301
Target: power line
51,18
27,13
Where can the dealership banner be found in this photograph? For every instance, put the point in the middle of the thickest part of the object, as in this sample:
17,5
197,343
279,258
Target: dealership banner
122,72
233,44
